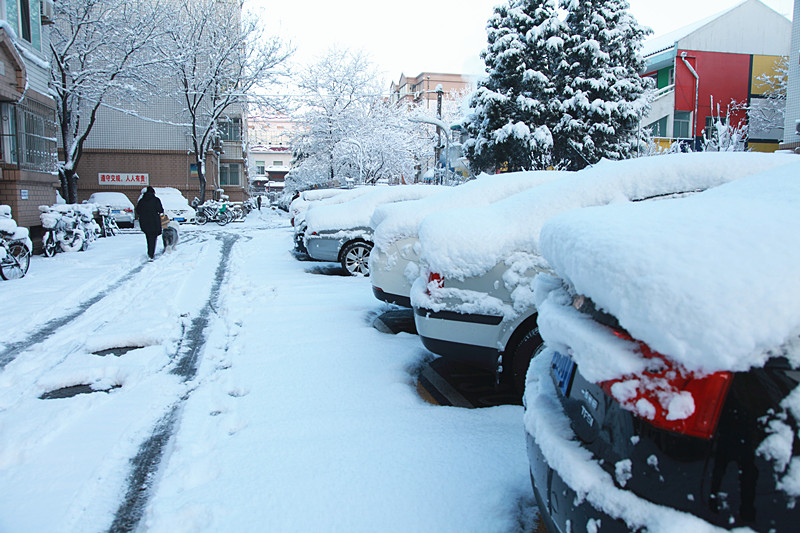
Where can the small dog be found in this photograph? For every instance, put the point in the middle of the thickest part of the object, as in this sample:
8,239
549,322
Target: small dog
170,236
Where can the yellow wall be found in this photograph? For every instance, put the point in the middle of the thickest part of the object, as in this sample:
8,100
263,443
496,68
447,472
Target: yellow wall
763,147
764,65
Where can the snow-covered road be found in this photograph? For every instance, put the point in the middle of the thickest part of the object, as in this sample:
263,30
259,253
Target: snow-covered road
258,397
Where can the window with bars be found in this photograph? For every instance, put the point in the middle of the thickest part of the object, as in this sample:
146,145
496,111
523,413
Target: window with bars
231,129
28,136
229,174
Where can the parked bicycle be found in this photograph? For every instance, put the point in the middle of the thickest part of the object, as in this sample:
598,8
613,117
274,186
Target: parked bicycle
15,247
65,229
212,211
108,224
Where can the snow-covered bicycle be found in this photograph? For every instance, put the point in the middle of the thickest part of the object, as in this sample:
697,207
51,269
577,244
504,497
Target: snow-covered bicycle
15,247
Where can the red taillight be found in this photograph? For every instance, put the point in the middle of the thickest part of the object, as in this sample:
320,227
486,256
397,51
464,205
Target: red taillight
128,210
670,397
435,280
292,221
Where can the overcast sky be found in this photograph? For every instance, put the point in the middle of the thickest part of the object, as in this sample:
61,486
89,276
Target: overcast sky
440,36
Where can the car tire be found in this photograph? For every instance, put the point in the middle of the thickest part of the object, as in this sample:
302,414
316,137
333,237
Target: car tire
518,359
355,258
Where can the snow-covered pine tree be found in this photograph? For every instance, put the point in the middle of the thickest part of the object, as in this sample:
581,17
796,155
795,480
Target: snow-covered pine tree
509,119
601,91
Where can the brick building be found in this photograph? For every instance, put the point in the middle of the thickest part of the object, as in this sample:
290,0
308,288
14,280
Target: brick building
28,151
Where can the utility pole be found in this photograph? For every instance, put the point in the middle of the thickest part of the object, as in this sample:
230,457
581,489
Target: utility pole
438,152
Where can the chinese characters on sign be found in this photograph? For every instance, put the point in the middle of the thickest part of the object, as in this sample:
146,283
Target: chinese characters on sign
123,179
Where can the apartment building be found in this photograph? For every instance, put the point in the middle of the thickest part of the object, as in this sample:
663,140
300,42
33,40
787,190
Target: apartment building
28,151
270,154
791,130
717,60
421,89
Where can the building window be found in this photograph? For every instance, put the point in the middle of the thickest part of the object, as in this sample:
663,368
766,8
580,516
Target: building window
229,174
277,163
231,129
28,136
681,127
710,124
658,128
260,168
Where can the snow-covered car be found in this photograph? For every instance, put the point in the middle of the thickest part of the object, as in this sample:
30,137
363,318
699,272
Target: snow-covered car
300,204
176,207
473,301
342,233
119,204
393,262
321,198
667,394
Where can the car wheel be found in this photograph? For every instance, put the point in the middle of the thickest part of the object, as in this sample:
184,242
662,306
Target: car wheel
518,359
355,258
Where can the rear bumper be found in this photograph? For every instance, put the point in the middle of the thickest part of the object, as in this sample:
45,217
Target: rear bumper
469,339
380,294
323,249
557,501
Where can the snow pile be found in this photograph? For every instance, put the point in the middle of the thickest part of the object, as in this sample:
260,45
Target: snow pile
356,213
393,222
469,242
709,280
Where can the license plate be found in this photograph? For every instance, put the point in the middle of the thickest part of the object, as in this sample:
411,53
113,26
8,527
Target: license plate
116,211
179,219
563,371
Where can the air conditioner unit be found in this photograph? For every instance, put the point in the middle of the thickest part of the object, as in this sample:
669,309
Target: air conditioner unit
47,10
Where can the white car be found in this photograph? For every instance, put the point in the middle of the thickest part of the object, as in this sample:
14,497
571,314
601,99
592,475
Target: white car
473,301
311,199
393,263
120,206
175,205
300,204
342,232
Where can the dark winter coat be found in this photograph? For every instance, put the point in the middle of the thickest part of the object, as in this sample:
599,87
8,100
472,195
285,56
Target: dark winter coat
149,210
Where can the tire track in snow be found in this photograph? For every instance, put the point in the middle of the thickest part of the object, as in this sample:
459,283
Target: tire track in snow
50,327
144,466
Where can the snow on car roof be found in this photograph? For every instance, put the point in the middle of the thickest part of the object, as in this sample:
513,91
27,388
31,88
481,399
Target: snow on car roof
709,280
356,212
392,222
320,194
467,242
110,198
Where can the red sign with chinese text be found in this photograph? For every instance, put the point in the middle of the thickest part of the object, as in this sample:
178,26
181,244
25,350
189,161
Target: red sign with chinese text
108,178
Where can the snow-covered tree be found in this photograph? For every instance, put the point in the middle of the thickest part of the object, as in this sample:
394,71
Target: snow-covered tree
510,120
724,135
340,88
384,146
602,94
101,50
219,54
349,132
767,114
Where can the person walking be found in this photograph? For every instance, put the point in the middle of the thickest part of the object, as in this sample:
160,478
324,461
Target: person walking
149,210
258,201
